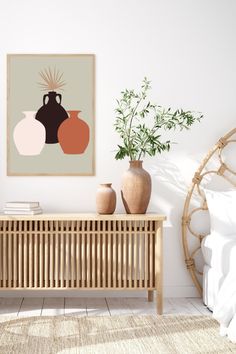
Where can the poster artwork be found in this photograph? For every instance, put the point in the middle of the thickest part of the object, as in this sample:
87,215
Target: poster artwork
50,114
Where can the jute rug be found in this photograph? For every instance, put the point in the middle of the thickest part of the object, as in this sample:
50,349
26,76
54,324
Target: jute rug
118,334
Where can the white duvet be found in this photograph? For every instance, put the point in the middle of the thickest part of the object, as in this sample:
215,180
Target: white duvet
225,308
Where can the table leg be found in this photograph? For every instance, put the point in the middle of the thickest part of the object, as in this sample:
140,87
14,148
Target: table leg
150,295
159,268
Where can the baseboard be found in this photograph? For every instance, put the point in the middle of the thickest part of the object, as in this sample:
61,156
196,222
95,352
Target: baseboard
181,291
169,291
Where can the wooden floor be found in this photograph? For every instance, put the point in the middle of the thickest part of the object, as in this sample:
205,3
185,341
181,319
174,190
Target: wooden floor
23,307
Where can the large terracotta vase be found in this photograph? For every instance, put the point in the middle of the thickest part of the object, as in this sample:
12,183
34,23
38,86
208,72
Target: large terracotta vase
51,115
105,199
136,188
73,134
29,135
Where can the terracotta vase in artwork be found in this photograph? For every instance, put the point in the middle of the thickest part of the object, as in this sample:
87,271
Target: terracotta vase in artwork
51,115
29,135
105,199
136,188
73,134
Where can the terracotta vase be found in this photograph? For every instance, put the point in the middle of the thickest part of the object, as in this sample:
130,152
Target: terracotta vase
51,115
136,188
73,134
105,199
29,135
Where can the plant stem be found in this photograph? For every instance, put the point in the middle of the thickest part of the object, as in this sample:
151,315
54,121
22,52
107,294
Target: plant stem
130,126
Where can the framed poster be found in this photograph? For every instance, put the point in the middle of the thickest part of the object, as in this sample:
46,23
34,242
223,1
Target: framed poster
51,115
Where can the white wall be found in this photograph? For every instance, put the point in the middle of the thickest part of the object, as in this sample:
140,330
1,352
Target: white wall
186,47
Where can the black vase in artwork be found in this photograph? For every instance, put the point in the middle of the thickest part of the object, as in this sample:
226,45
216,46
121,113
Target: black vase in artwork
51,115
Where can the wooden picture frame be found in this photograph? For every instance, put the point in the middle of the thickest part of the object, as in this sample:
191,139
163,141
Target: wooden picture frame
50,114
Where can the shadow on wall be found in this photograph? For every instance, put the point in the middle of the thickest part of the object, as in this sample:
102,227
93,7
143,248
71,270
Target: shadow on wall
169,189
172,180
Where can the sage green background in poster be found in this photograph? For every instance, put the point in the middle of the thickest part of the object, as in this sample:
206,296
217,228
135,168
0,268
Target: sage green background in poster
24,94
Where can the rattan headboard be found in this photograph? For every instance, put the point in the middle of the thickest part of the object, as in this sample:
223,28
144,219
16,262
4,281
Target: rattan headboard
222,170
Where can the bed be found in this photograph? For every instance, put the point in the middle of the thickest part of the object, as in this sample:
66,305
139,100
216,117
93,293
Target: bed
210,254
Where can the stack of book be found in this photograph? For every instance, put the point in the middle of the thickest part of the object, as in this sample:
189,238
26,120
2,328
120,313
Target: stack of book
22,208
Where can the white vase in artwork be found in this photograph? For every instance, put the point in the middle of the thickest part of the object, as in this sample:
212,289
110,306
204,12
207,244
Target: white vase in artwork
29,135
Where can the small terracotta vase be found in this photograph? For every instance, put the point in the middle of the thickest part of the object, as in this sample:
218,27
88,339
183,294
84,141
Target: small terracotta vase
105,199
136,188
73,134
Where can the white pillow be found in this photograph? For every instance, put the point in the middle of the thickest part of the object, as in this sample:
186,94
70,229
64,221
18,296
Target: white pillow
222,209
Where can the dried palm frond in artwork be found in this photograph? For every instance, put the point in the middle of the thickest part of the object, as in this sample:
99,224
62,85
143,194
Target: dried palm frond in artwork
52,80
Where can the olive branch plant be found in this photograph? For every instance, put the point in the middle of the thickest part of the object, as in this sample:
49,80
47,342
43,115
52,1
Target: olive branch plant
140,123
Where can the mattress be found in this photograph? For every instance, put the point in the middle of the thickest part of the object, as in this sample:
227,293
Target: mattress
219,252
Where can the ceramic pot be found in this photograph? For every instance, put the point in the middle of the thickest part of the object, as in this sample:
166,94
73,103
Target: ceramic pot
136,188
73,134
29,135
51,115
105,199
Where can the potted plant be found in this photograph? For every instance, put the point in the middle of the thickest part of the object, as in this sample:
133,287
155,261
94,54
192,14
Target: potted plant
140,124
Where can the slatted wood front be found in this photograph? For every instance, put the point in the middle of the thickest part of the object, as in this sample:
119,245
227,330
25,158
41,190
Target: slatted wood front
77,254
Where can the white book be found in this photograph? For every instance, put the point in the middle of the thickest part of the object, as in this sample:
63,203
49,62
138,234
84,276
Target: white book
21,209
22,204
19,212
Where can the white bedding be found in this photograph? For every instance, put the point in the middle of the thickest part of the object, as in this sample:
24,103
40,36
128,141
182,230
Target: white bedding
212,281
225,307
219,252
219,280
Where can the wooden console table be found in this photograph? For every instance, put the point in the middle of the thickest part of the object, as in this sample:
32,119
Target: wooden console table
82,251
